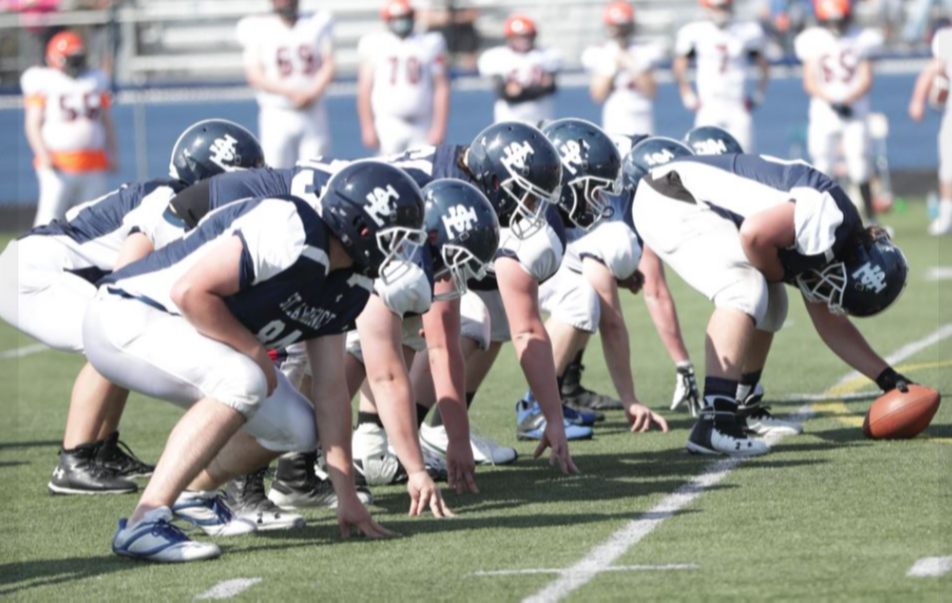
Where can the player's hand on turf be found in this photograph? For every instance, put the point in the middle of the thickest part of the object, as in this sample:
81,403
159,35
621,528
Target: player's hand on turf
263,359
369,137
685,388
423,494
554,437
461,467
640,417
352,514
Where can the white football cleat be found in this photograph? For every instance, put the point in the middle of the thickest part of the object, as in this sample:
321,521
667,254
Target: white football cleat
486,451
207,510
154,538
717,432
760,421
246,499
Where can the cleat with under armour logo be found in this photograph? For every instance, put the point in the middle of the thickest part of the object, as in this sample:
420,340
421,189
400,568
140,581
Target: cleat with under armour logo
78,472
718,432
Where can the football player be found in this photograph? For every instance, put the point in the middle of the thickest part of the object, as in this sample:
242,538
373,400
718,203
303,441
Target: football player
68,126
736,228
623,74
48,278
940,67
838,76
289,60
403,88
193,322
523,74
721,48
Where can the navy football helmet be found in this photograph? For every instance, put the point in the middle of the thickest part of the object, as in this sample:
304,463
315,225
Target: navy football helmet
463,232
591,165
711,140
870,276
211,147
519,171
376,210
649,154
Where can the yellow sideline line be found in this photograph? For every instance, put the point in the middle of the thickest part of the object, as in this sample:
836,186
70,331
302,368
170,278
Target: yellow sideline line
841,412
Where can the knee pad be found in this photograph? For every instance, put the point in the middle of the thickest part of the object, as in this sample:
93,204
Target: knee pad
747,293
237,382
286,421
777,306
578,306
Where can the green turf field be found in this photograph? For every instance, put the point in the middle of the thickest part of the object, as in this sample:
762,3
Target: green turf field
827,515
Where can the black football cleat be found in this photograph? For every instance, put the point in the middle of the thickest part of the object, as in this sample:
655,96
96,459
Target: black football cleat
78,472
115,455
718,431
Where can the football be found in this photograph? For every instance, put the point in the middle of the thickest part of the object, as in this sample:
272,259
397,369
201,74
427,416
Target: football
897,415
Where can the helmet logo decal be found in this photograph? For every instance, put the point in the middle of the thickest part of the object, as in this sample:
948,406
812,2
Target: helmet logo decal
516,154
871,278
381,202
571,153
659,158
223,151
460,221
710,146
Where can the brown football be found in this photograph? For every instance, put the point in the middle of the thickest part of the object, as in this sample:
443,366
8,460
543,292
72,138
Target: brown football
898,415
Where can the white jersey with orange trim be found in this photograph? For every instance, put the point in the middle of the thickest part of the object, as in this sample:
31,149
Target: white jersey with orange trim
627,109
837,59
528,70
291,54
73,128
404,69
721,55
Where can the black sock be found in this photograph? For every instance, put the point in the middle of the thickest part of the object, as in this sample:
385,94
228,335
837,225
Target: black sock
866,192
421,412
438,418
368,417
718,387
748,383
469,399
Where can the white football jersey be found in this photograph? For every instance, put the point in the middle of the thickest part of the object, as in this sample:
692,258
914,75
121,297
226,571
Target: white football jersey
72,107
540,255
403,72
613,243
837,59
623,65
942,49
721,55
292,54
526,69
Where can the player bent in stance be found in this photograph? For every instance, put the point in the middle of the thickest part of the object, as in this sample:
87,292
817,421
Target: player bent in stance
601,252
48,278
193,322
736,228
838,76
462,239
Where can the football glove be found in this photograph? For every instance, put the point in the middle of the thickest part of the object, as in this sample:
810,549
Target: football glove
844,111
685,388
889,380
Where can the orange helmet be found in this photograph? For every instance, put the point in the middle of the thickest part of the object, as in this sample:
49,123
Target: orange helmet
832,10
618,13
716,3
395,9
520,25
62,46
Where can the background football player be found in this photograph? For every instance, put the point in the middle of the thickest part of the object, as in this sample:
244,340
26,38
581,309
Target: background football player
523,74
727,226
623,74
403,88
721,48
48,278
289,60
938,69
838,76
68,126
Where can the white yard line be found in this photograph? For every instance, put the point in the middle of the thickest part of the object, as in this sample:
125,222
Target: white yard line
930,567
615,568
600,558
29,350
939,273
228,588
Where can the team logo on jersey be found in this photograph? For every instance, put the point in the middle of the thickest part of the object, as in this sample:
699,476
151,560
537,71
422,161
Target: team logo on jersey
571,153
460,221
870,278
381,203
660,158
223,151
516,155
711,146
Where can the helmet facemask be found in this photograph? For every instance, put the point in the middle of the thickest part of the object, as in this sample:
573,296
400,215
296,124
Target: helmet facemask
825,286
531,201
593,206
398,244
462,266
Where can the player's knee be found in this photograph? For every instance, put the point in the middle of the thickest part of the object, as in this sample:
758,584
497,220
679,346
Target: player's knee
777,306
747,293
302,431
238,383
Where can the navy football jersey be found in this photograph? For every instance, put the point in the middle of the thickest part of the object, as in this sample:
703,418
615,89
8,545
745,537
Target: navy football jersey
286,293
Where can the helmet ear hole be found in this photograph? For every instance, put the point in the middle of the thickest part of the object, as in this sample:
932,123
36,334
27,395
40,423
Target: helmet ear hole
495,184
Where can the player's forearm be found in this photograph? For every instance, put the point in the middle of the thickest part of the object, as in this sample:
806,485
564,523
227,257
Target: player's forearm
134,248
534,350
207,312
322,79
365,112
33,128
600,88
845,340
333,415
864,86
661,306
680,71
396,406
617,350
448,369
